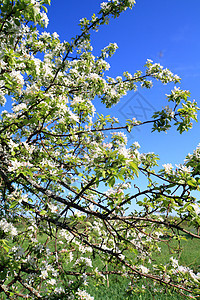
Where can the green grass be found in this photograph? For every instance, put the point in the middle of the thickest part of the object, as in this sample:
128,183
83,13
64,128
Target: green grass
116,292
189,255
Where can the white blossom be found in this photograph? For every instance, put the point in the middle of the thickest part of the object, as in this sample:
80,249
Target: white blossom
184,169
87,261
2,98
71,256
44,274
19,107
44,18
17,77
55,35
144,269
125,152
174,262
59,290
53,208
84,295
77,99
168,168
137,145
8,227
51,281
94,76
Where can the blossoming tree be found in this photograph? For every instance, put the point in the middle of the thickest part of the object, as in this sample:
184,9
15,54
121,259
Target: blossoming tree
64,188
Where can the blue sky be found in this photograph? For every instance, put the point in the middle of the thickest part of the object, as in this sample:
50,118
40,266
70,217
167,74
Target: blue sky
167,32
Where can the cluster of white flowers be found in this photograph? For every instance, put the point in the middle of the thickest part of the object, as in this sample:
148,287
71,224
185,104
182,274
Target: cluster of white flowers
34,2
29,148
114,191
195,156
137,145
84,295
94,76
125,152
184,169
177,93
104,5
132,2
97,228
33,226
2,98
181,169
184,270
125,185
77,100
46,270
55,35
107,145
51,281
37,63
84,249
19,107
45,35
8,115
168,168
15,165
29,260
23,198
47,71
166,76
2,64
103,65
157,71
18,252
116,135
31,89
8,227
16,75
96,152
71,256
53,208
73,116
85,260
144,269
48,162
12,145
44,18
139,156
110,49
169,111
59,290
78,213
65,234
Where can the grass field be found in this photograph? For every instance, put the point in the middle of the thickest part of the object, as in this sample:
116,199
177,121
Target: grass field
116,292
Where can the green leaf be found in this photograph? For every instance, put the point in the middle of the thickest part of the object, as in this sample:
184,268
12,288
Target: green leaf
17,22
133,165
14,204
104,174
45,9
43,212
111,182
192,182
120,177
